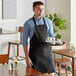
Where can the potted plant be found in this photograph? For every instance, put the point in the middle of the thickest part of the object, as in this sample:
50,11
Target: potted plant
58,39
59,24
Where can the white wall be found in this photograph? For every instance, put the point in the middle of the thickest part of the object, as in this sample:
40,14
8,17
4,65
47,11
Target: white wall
62,8
73,21
0,9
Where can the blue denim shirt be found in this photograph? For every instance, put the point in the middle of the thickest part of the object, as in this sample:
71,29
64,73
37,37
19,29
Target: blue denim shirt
28,28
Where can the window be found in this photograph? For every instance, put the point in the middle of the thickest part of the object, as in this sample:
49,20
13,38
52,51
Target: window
9,9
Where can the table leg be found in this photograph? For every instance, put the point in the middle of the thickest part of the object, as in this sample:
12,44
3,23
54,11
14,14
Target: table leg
73,66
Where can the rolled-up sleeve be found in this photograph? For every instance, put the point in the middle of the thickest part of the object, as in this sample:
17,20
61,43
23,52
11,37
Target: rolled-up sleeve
25,34
51,30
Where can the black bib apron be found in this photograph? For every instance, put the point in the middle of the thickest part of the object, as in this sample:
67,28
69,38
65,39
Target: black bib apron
40,52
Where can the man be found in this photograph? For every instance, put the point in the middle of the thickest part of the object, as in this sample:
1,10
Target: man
38,28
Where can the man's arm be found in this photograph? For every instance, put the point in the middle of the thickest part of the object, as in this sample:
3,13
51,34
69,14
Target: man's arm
50,27
28,60
25,51
25,35
50,30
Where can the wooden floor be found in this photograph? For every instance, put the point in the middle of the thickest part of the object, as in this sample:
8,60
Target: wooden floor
22,70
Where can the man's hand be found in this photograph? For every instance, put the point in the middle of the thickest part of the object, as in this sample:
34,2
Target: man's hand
29,62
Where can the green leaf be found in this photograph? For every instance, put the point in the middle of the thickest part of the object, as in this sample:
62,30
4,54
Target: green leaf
58,36
55,15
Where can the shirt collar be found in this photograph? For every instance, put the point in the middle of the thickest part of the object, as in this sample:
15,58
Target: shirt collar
38,18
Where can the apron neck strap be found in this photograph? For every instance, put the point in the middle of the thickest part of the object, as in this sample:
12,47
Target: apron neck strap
34,21
44,21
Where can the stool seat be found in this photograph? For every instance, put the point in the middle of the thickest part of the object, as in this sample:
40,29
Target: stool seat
62,60
15,42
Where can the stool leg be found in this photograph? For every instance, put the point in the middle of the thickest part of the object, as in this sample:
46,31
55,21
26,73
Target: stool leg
8,49
17,50
66,69
56,65
59,70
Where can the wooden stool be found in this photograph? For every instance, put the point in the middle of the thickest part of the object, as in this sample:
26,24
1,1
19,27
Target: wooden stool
17,43
61,60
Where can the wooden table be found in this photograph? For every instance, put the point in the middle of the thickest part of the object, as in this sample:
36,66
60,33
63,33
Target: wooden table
22,70
68,53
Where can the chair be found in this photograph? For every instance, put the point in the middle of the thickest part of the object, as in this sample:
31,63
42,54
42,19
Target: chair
17,43
4,58
61,60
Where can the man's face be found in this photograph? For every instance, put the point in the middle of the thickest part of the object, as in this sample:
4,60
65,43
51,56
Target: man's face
38,10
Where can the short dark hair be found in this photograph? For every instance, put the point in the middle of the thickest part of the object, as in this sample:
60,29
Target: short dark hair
37,3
